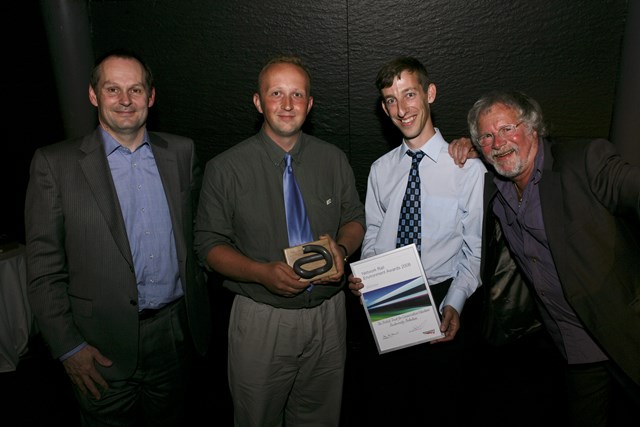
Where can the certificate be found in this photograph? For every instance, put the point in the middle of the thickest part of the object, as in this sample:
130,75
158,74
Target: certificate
397,299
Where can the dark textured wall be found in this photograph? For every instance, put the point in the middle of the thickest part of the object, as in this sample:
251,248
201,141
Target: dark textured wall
31,118
207,54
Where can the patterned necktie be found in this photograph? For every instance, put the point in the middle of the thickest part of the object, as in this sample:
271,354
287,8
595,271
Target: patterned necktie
297,221
410,213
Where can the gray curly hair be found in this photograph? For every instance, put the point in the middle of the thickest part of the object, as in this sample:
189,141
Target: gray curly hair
528,109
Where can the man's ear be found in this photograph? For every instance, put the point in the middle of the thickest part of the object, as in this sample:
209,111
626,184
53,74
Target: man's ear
309,104
93,98
152,98
256,102
431,93
384,108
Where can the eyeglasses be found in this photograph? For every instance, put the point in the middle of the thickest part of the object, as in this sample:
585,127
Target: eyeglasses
506,131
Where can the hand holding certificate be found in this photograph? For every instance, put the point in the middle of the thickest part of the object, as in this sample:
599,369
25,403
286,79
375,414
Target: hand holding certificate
397,299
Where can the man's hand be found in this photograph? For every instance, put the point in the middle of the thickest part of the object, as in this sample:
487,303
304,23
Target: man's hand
82,370
279,278
355,284
462,149
450,324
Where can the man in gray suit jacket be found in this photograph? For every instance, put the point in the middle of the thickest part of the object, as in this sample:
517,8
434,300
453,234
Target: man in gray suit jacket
112,278
570,214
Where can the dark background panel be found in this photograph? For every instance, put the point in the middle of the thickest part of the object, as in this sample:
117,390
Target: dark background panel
31,116
206,56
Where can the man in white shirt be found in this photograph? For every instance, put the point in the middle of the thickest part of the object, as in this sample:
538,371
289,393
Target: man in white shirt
450,238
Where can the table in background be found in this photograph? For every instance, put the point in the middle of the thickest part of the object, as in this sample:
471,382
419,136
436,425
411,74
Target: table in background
16,320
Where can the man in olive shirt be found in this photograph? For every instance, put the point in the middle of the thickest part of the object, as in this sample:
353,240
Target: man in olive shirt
287,340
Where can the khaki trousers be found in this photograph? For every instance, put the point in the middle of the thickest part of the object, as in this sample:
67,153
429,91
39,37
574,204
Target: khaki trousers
287,366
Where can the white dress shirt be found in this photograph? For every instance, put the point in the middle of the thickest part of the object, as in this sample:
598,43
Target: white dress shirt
451,203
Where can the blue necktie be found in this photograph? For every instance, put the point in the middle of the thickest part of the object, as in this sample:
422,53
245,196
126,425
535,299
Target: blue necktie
411,213
297,221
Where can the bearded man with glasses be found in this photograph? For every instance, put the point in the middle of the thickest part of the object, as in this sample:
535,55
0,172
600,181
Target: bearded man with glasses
570,214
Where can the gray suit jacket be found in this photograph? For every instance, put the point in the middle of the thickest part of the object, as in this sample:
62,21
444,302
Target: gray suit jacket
80,272
590,202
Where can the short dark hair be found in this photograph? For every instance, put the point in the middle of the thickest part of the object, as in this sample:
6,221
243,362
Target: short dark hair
120,53
395,67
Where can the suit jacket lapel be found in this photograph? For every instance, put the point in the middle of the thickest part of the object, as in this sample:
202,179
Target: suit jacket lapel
168,169
551,202
97,173
488,219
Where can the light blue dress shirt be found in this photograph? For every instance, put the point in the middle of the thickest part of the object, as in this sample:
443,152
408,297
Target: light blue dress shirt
452,211
148,222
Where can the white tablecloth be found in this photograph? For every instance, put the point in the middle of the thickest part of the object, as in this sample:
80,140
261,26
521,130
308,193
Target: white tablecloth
16,319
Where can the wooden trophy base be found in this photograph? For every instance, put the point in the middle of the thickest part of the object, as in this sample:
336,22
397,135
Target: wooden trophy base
296,257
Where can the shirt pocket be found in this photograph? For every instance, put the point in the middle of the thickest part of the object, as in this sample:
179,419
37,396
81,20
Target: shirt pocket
323,211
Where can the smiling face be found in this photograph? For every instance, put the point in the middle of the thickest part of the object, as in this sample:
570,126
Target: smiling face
284,101
408,106
512,157
122,98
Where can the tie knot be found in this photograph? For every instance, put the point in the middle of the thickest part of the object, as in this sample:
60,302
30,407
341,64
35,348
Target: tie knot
417,156
287,163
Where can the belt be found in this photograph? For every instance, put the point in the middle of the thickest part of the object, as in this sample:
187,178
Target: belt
149,313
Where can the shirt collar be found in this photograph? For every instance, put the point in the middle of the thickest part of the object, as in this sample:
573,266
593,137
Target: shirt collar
275,153
111,145
431,148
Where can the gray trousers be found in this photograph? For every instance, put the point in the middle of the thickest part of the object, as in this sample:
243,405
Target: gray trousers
155,394
286,367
